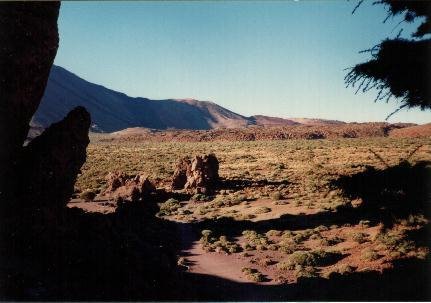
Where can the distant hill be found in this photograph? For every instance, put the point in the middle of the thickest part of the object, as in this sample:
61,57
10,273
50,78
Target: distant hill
113,111
414,131
297,131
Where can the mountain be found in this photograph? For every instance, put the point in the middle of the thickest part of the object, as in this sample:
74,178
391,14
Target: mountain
112,111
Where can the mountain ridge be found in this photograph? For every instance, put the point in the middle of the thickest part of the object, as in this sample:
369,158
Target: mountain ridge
113,111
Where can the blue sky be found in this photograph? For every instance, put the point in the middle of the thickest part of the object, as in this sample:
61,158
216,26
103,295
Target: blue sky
278,58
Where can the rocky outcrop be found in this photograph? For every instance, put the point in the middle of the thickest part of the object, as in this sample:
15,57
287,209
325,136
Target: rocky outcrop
198,175
122,187
52,161
29,42
179,179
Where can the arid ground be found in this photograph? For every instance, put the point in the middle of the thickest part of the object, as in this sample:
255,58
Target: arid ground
286,211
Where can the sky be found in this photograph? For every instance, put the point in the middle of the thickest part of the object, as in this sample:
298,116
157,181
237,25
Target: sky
276,58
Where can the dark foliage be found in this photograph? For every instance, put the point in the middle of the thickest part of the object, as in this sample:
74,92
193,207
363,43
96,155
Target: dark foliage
399,67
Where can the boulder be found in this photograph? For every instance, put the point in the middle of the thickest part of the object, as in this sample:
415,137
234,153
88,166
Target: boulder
179,179
122,187
198,175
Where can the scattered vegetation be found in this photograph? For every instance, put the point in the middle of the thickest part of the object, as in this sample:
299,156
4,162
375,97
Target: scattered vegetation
396,242
218,244
251,177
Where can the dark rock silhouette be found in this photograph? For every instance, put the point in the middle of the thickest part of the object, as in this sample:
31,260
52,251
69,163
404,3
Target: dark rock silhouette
29,42
198,175
52,161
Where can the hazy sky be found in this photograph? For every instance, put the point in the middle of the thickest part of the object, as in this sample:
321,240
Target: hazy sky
284,59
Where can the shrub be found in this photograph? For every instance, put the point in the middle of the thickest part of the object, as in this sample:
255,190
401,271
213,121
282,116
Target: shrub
223,201
287,246
317,237
277,196
314,258
88,195
265,262
414,220
253,274
283,265
206,233
255,240
306,272
202,210
304,235
221,244
199,197
369,255
169,207
273,247
331,241
244,217
273,233
345,269
360,237
396,242
262,210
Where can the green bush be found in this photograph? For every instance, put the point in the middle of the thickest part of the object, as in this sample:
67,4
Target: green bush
220,244
306,272
169,207
253,274
396,242
255,240
306,258
360,237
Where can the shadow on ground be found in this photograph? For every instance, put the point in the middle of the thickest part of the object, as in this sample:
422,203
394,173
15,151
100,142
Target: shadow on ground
238,184
387,195
132,255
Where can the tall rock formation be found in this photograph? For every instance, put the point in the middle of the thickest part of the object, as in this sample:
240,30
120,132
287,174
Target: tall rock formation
29,42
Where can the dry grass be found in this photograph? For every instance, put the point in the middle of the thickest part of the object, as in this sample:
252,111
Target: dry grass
277,178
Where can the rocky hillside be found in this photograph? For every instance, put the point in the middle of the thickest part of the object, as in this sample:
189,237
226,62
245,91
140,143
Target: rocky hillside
415,131
113,111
